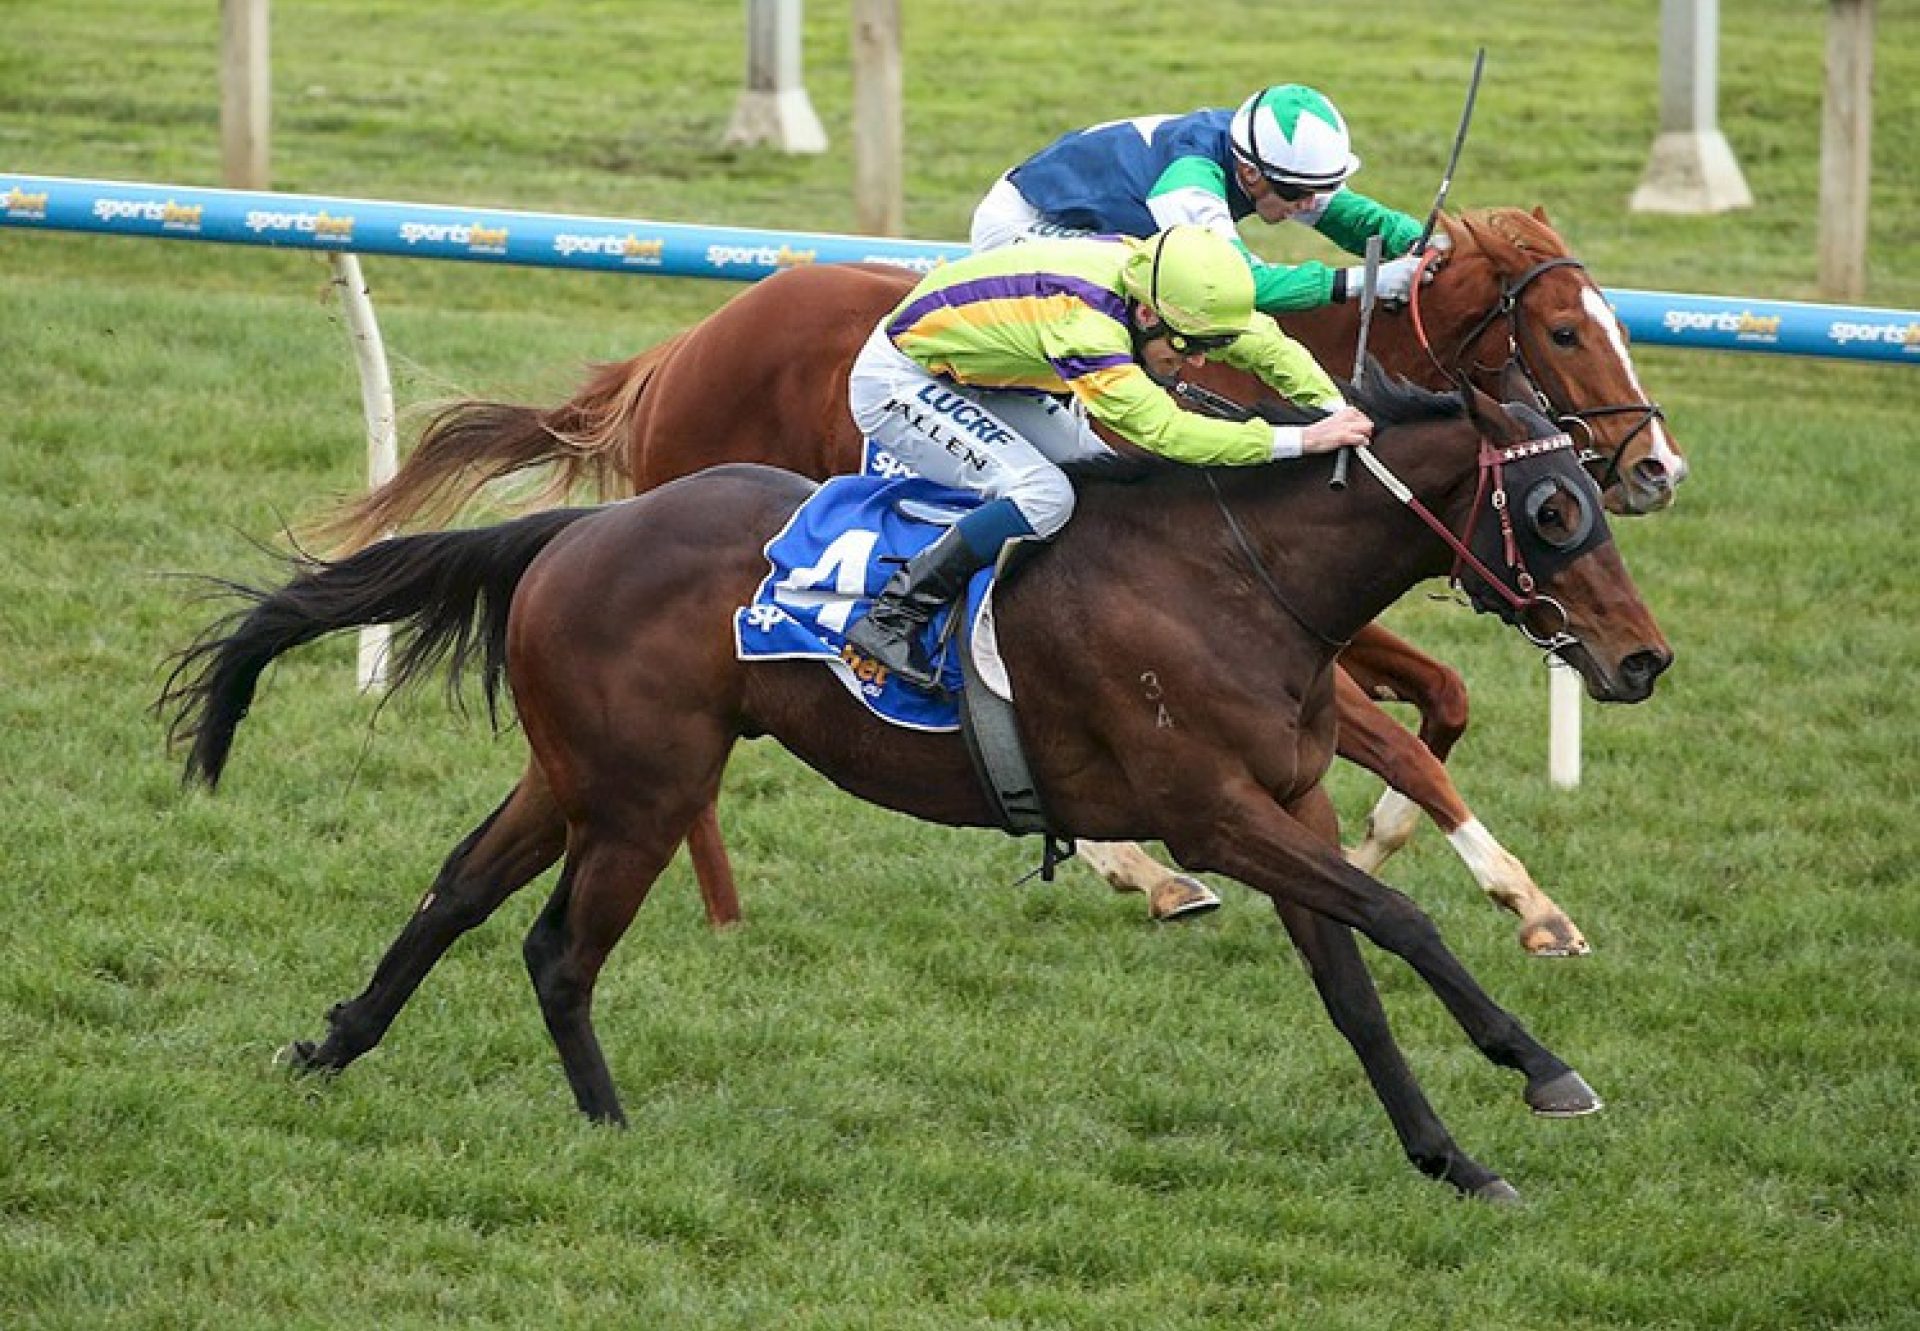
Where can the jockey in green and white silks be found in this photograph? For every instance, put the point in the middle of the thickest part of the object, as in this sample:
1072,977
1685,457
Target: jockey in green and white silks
991,372
1283,155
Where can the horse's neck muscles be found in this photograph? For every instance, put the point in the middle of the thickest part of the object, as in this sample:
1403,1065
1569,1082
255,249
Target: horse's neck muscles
1341,557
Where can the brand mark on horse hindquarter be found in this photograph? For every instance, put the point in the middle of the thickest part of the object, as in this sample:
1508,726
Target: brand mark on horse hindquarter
1150,686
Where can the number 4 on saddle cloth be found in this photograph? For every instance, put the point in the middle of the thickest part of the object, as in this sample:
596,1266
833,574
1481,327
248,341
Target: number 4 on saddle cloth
830,561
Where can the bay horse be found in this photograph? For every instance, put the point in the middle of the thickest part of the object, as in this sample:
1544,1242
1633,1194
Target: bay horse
764,380
1230,589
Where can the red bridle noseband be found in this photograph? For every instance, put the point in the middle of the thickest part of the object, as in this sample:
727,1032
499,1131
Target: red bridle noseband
1509,306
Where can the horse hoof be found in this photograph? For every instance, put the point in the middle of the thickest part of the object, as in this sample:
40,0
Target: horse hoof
299,1056
1553,937
1497,1191
1566,1096
1181,898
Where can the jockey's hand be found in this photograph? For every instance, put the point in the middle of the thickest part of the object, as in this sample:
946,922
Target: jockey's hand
1345,428
1392,285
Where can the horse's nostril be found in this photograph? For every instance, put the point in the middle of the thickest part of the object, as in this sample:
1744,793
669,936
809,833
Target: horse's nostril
1642,668
1651,474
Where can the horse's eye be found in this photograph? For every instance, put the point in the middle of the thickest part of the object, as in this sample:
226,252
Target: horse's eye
1557,514
1565,336
1553,516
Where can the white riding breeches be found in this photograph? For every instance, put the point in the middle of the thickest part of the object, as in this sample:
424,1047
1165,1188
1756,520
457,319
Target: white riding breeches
1005,217
1001,443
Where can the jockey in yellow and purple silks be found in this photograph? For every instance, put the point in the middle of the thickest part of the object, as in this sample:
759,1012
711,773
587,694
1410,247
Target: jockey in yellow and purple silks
1282,156
990,373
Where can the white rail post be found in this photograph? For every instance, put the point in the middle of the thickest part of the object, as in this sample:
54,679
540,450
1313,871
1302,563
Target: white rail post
774,108
376,405
879,206
1692,168
1563,724
246,84
1846,159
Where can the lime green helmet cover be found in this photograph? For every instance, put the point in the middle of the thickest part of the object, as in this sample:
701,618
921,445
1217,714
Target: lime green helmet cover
1196,280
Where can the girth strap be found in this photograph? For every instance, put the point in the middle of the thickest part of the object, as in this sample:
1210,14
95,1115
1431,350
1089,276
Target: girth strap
999,760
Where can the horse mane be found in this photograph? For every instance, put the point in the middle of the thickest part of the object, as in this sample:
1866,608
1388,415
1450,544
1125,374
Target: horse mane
1392,400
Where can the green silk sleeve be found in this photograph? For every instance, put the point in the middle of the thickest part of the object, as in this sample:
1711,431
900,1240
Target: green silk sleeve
1350,218
1282,364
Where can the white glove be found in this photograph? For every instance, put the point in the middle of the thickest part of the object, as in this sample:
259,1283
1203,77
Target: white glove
1392,285
1343,427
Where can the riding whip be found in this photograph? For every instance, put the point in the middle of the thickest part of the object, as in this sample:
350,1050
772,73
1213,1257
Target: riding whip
1369,285
1459,141
1209,403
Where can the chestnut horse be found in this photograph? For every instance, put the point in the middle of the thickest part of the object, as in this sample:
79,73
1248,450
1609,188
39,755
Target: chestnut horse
764,379
613,628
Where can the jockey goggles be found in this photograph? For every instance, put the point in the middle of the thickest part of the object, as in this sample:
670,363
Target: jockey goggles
1192,344
1288,191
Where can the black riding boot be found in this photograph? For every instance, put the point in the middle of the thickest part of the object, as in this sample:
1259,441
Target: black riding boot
890,633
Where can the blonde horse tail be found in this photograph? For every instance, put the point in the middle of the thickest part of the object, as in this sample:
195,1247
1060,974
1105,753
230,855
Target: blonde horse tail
467,447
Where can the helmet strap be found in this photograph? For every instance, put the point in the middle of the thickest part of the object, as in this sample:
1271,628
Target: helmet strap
1153,276
1144,335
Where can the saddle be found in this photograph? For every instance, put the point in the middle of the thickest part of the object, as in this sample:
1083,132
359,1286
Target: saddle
833,556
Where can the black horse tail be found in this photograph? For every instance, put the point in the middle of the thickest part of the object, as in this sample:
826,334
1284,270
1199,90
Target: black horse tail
449,591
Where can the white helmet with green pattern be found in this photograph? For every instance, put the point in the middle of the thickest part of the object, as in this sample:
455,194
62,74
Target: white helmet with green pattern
1291,134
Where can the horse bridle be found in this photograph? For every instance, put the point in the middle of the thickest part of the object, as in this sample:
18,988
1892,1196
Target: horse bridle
1509,306
1518,593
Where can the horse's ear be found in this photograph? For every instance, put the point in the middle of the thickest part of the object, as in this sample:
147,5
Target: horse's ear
1488,419
1505,256
1514,386
1540,216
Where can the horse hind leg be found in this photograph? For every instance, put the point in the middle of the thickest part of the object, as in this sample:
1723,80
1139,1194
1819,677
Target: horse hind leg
516,843
712,870
1127,868
610,868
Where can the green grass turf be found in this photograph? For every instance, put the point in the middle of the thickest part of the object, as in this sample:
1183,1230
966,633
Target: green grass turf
909,1094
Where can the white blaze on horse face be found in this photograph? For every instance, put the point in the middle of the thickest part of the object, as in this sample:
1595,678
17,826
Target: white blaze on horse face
1661,447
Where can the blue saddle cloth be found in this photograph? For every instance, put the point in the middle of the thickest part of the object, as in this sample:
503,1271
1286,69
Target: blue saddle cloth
829,561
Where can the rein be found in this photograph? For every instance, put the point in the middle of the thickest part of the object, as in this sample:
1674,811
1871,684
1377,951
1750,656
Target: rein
1209,403
1492,487
1509,306
1260,570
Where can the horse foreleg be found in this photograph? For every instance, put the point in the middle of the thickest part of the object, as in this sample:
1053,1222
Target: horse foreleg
1128,868
1244,834
516,843
1352,1001
1418,781
1348,993
1388,668
712,870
